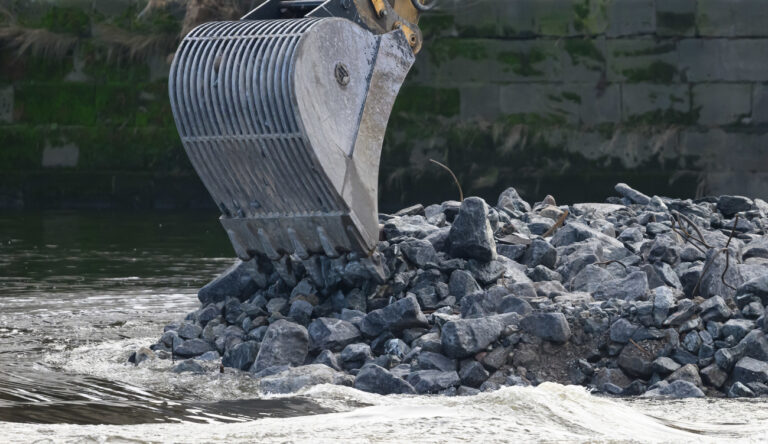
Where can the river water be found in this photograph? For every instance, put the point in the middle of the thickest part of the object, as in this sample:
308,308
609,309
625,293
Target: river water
80,291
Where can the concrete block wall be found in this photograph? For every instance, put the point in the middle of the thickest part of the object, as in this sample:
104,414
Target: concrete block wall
672,94
563,97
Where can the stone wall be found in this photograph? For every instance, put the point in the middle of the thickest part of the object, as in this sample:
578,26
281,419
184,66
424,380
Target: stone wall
565,97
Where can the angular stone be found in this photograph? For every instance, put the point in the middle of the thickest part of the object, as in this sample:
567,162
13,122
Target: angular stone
622,331
739,390
331,334
433,361
240,281
730,205
327,357
664,366
514,304
301,311
471,236
395,317
632,195
355,355
433,381
635,362
294,379
548,326
511,201
473,374
188,366
738,328
420,252
188,330
241,356
462,283
465,337
688,372
540,252
714,309
750,370
714,376
375,379
677,389
192,347
284,343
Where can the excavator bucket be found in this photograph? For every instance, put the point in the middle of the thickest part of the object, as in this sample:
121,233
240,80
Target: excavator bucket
284,120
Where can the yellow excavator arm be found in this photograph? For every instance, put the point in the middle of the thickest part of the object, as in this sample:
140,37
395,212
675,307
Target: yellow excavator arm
283,114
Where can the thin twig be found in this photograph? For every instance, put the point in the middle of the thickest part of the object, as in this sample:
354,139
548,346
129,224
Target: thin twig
647,353
695,227
612,262
727,264
557,224
733,230
458,185
685,234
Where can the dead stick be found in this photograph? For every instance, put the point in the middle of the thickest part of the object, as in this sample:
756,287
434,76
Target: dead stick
461,192
612,262
647,353
557,224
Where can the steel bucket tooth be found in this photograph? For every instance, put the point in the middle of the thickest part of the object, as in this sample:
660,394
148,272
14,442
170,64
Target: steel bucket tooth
284,120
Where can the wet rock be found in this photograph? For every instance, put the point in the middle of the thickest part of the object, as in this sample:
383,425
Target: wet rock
433,381
241,356
610,376
331,334
241,280
677,390
188,366
142,354
295,379
285,343
465,337
635,362
395,317
188,330
750,370
755,345
473,374
688,372
548,326
192,347
471,236
375,379
664,365
739,390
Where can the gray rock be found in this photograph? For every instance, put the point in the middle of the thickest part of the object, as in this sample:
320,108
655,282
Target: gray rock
755,345
144,354
284,343
738,328
578,232
664,366
730,205
207,314
613,376
714,376
739,390
462,283
632,195
395,317
420,252
511,201
677,389
188,330
471,236
622,331
375,379
757,287
241,356
514,304
240,281
427,360
663,301
714,309
277,305
548,326
188,366
355,355
688,372
487,273
692,342
726,357
757,249
331,334
750,370
294,379
433,381
473,374
327,357
465,337
192,347
301,311
635,362
540,252
630,288
408,226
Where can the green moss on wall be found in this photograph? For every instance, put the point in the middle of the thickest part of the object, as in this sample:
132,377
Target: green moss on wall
424,101
443,50
657,72
523,63
676,22
583,50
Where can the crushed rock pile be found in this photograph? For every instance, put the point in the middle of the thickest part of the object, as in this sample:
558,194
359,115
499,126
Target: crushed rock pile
638,296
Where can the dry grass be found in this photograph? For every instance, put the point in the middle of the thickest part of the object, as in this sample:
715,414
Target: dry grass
137,47
37,42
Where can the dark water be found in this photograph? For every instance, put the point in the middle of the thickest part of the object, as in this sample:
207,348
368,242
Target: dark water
71,282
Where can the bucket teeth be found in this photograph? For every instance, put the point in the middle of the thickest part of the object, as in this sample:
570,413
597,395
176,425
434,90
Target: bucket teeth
284,120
